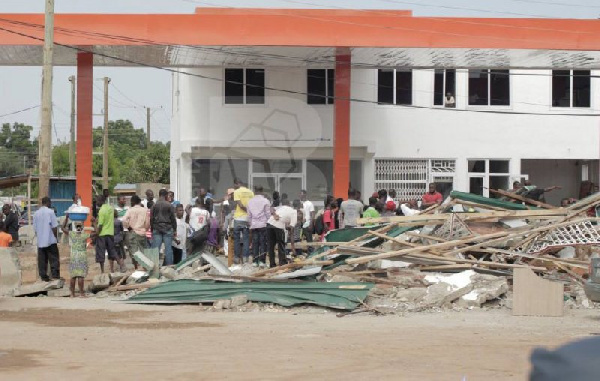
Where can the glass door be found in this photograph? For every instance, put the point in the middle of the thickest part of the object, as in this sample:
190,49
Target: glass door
290,184
269,183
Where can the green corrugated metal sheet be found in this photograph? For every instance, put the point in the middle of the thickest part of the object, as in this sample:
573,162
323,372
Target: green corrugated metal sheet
490,201
345,296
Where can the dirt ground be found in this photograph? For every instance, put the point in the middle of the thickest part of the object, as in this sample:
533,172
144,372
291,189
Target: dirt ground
90,338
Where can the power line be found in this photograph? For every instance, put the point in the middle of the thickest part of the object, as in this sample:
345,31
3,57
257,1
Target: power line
19,111
287,91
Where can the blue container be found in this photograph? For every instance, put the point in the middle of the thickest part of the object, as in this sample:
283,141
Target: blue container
78,216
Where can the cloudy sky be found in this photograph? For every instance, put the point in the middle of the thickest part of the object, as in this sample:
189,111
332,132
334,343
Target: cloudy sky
20,87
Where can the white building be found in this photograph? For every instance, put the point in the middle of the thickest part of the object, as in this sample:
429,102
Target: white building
263,115
285,143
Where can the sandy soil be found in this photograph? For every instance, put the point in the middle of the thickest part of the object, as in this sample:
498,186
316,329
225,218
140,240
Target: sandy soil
54,338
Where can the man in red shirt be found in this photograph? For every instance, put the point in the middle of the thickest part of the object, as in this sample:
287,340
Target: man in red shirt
432,197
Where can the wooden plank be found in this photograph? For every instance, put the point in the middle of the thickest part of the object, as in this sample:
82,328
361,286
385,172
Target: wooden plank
292,265
441,218
534,296
523,199
476,205
412,250
304,245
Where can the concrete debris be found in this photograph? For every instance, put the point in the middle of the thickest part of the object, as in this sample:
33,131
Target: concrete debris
223,304
411,295
387,264
100,282
168,272
10,277
31,289
485,288
442,294
238,301
116,277
60,293
219,266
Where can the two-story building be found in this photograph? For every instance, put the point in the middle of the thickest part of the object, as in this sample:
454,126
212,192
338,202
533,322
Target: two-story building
465,118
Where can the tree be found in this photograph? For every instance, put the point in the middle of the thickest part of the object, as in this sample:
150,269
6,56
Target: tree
152,165
17,150
60,159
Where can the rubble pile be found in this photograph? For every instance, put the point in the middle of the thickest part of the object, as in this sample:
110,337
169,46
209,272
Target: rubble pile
457,255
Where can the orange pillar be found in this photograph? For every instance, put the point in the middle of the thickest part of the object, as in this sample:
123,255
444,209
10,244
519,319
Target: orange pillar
341,121
85,102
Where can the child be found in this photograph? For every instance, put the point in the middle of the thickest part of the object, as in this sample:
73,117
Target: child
78,265
5,238
179,242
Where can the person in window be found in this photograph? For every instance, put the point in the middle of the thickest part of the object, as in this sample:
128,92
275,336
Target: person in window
433,197
449,101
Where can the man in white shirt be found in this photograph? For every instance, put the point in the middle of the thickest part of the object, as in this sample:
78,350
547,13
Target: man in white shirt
284,218
180,240
199,216
309,217
350,210
45,226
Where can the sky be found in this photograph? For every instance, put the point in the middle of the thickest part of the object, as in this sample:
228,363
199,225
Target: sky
134,88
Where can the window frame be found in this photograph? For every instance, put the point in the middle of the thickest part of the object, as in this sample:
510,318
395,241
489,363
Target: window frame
489,89
395,87
329,99
444,87
486,174
244,85
571,90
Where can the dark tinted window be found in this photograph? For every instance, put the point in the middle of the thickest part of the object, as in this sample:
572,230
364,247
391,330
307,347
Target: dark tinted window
561,83
255,86
499,166
500,87
581,88
330,86
403,87
385,86
438,88
316,86
234,86
451,82
478,87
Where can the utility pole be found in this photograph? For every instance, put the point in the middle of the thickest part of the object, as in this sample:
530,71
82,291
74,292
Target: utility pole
105,141
147,127
45,145
73,81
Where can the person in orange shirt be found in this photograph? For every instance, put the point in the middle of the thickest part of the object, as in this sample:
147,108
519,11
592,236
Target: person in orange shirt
5,238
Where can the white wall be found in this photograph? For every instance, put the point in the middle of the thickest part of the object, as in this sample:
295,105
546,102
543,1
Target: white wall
203,120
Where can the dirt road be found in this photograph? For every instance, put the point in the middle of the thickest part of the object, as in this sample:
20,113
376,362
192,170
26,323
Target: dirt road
94,339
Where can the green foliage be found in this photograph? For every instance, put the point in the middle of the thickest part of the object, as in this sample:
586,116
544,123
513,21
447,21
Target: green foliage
17,150
128,159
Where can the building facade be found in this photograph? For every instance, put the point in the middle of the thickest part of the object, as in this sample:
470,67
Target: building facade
504,125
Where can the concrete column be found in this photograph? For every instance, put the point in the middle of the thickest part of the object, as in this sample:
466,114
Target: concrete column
85,89
341,134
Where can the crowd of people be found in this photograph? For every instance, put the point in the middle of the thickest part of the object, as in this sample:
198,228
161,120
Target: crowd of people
256,227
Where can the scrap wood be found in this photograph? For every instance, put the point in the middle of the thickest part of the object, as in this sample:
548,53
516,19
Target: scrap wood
573,274
442,245
442,268
136,286
507,253
566,221
523,199
358,250
419,219
426,236
476,205
120,282
483,263
291,266
394,239
304,245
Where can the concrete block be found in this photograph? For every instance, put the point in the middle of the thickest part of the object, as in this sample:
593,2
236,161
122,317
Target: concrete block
168,273
31,289
100,282
55,284
485,288
116,277
60,293
239,300
442,294
411,295
10,278
222,304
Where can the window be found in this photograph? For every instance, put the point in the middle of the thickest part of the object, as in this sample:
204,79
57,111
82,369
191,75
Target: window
394,86
444,83
489,87
488,174
244,86
320,86
571,88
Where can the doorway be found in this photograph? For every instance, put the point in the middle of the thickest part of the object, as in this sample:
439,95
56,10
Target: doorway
290,184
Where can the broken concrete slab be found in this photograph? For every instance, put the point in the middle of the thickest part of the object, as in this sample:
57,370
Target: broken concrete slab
485,289
59,293
55,284
116,277
443,294
408,278
383,264
238,301
411,295
10,279
168,272
100,282
222,304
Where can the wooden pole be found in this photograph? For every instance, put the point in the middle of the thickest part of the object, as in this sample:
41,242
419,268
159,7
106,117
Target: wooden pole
105,140
45,145
73,81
